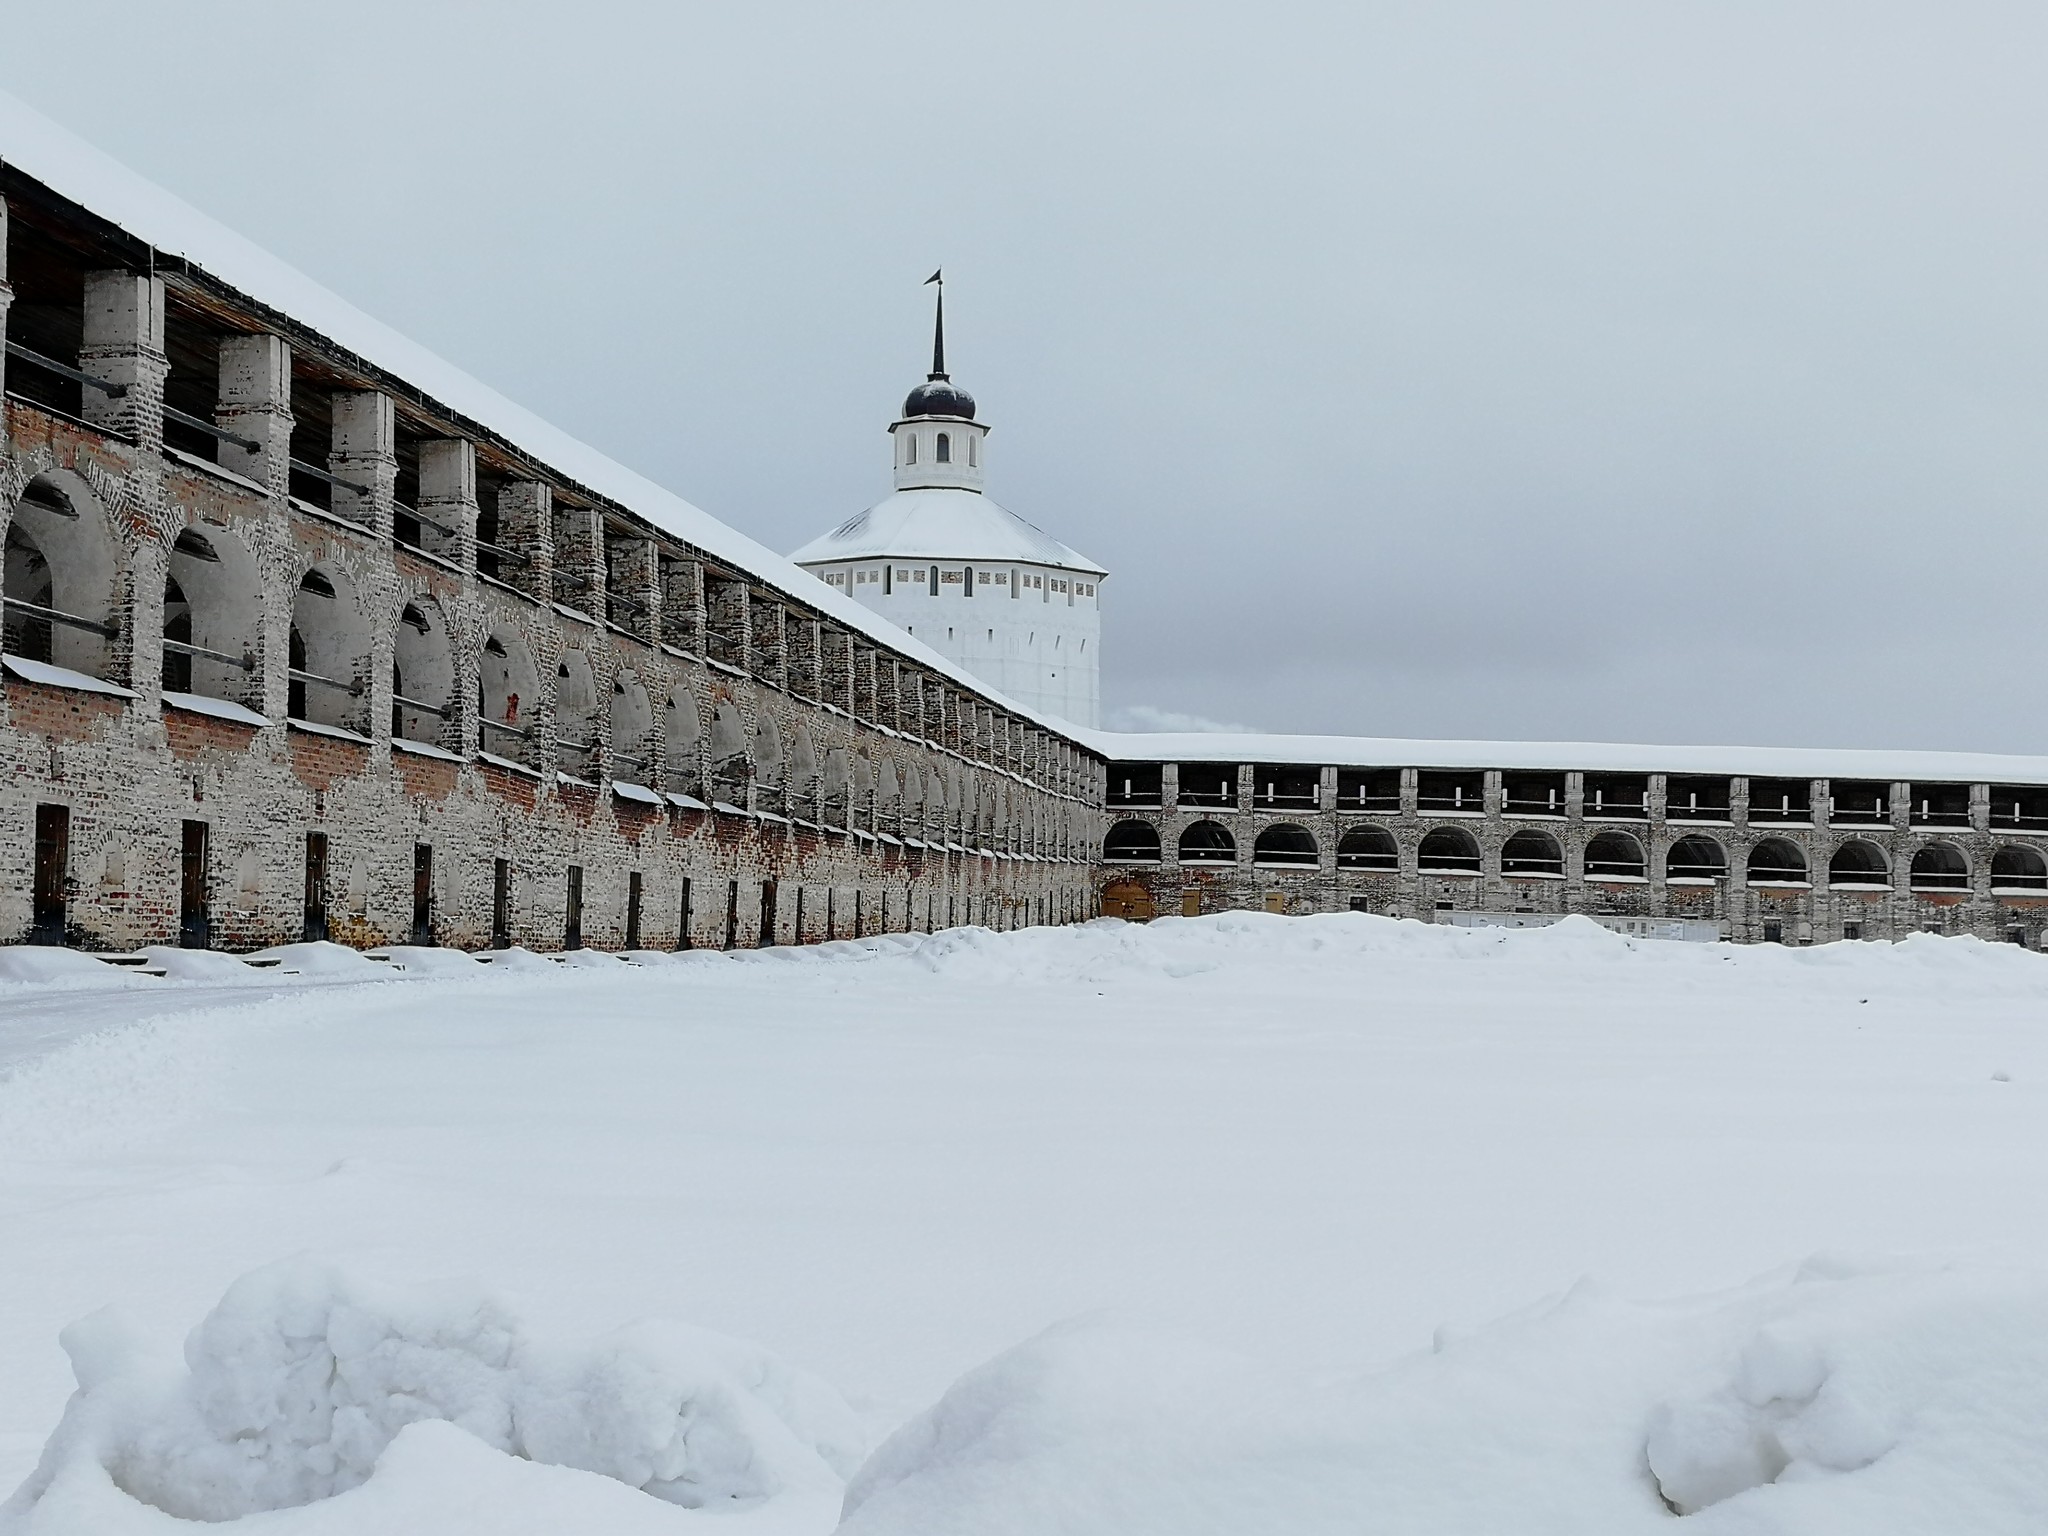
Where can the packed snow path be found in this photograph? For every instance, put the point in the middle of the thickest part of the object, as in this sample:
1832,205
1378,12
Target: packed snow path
1309,1142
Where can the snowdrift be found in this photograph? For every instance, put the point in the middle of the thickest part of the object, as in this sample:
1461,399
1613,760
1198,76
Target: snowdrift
304,1383
1841,1399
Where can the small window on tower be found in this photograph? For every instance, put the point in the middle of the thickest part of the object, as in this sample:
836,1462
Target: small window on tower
910,447
973,458
942,451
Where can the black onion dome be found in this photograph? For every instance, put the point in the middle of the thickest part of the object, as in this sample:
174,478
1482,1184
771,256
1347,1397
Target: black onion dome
939,396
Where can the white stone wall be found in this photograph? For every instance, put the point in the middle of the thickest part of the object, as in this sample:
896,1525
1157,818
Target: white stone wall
1032,632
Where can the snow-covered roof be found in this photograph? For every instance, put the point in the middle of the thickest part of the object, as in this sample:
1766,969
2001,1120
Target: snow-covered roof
1598,757
942,523
32,143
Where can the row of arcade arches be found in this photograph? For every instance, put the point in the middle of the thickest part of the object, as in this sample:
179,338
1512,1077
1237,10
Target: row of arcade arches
1610,855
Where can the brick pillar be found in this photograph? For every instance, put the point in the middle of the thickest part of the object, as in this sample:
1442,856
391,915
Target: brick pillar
682,605
634,585
365,451
768,655
874,687
123,343
448,496
804,670
526,528
256,403
579,574
835,668
727,621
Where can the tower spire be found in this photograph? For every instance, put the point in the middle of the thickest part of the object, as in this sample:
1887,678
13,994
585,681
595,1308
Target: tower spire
938,325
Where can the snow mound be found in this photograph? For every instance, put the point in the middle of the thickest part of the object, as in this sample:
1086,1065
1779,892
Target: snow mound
321,958
48,966
1840,1399
517,958
421,960
295,1388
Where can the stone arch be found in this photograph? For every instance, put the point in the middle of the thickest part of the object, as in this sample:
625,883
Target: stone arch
632,729
1612,855
835,775
1448,851
872,789
1284,845
1368,848
508,696
328,651
1208,842
1777,861
2017,867
803,763
423,674
1695,858
576,721
213,618
682,730
729,759
1940,867
1859,863
1131,842
769,758
1531,853
61,575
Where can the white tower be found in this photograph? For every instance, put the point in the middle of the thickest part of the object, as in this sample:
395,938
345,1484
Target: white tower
979,585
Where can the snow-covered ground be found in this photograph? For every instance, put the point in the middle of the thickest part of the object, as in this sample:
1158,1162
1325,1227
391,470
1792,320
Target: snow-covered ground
1233,1224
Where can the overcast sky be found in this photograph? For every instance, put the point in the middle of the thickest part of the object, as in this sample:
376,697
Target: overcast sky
1638,371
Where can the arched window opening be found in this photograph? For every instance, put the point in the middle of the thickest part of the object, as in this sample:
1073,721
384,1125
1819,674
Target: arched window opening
835,778
508,688
935,581
731,764
213,631
177,676
1615,856
1285,846
1777,861
575,715
1859,865
683,727
1208,842
632,731
1131,842
58,581
1368,848
2016,867
803,768
1531,854
328,654
1448,851
942,449
1694,859
767,752
423,676
1940,867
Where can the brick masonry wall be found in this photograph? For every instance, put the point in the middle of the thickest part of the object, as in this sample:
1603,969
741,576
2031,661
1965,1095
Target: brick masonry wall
1809,913
132,771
